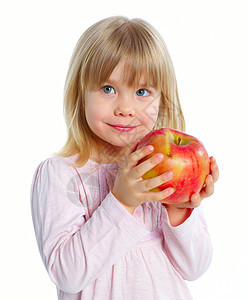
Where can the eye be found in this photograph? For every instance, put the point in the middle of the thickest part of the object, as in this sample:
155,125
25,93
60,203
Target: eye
142,92
108,89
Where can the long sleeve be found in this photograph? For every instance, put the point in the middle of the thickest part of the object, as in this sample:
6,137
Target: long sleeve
188,245
76,251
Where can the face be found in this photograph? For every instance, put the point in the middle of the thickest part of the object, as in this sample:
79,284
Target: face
119,114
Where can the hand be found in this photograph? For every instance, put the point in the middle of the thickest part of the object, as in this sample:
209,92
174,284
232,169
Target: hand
206,191
178,213
130,189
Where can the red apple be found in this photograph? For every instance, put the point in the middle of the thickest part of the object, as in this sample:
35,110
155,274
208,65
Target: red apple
184,155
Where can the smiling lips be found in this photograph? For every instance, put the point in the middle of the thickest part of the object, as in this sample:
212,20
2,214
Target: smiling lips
122,128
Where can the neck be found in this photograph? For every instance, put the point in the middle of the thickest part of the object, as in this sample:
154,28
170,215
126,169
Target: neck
107,154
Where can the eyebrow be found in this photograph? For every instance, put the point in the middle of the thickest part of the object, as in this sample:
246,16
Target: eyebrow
143,84
148,85
113,82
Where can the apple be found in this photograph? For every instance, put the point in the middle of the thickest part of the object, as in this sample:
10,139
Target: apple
184,155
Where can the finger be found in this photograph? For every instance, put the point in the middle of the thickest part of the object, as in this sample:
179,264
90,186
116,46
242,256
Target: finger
159,196
214,169
146,165
133,147
208,190
195,200
188,204
133,158
148,184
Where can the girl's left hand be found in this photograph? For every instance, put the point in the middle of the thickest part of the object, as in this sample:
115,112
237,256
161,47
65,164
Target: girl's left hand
206,191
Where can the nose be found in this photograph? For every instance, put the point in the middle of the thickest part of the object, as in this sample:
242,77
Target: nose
125,110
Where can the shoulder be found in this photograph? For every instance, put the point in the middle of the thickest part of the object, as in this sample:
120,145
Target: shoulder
61,168
55,164
56,168
61,163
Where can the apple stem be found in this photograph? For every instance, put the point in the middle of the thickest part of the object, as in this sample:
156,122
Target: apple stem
179,140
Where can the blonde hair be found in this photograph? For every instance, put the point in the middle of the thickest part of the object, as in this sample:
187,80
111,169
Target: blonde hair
97,53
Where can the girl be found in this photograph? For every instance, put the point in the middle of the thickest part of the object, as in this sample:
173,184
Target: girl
101,233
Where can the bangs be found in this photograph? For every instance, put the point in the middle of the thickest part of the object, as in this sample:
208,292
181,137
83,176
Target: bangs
136,46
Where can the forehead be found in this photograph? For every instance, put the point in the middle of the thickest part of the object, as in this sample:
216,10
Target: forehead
127,74
122,72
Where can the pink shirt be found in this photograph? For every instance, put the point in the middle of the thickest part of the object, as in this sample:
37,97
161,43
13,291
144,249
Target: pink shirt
93,248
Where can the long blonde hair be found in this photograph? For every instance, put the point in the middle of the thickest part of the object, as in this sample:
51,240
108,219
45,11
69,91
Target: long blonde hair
97,53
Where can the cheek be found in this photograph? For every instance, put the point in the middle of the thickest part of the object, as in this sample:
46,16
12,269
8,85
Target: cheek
150,114
93,115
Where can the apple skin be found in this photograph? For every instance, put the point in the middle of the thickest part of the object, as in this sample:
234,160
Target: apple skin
184,155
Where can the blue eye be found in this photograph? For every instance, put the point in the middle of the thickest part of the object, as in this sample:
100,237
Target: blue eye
142,92
108,89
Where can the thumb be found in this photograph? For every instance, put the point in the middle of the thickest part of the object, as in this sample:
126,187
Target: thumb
125,158
133,147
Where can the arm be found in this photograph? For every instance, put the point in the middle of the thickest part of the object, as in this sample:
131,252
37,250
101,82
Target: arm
188,245
177,215
75,251
187,240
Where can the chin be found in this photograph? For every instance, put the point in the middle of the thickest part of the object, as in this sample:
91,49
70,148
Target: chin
124,139
122,143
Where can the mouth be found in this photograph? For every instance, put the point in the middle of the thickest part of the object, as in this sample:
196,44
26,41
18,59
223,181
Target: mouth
122,128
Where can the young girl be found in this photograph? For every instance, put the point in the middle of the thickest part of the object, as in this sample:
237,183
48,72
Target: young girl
101,233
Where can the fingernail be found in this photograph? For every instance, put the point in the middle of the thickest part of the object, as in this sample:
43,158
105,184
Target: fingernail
150,148
211,179
196,196
159,156
169,175
170,191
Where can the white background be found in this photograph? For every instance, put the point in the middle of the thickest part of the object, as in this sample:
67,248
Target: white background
207,43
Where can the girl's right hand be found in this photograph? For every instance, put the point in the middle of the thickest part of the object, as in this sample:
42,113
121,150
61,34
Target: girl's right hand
130,189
